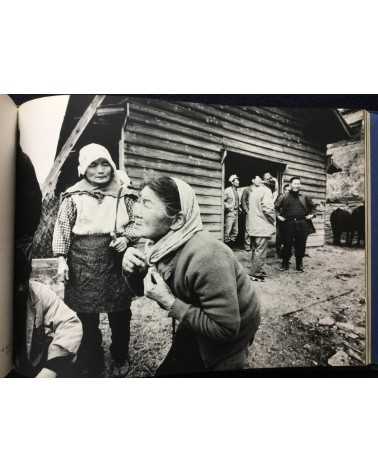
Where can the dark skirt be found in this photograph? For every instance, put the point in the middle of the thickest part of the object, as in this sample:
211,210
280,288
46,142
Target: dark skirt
95,282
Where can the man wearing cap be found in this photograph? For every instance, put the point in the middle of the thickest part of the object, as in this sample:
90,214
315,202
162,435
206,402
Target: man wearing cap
231,211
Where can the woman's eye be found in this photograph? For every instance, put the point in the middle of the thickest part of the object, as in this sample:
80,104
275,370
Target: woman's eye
146,203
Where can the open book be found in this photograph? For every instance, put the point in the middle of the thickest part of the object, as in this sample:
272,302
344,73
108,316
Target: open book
252,253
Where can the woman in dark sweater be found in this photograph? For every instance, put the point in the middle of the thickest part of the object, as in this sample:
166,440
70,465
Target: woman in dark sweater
193,276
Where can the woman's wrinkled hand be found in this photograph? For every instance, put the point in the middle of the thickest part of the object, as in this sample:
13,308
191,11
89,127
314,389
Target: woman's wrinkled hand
156,289
133,261
119,244
63,270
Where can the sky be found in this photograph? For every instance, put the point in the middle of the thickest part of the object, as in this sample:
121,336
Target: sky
40,122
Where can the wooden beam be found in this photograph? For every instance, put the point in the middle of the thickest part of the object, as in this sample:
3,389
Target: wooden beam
121,143
51,180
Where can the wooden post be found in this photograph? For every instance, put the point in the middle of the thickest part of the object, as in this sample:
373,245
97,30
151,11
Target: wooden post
49,185
42,239
223,158
121,144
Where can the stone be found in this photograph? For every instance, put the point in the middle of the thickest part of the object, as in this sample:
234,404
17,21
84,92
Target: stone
327,321
308,323
341,358
354,355
361,332
349,327
352,335
345,326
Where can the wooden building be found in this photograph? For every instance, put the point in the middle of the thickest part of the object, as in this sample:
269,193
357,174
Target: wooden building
204,144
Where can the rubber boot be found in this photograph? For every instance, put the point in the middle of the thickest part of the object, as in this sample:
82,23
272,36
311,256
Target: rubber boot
299,264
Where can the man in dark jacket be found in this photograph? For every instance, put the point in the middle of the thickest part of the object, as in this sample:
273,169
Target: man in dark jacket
279,225
295,212
245,211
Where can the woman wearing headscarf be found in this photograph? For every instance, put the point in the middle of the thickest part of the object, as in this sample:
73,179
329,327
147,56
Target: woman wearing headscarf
92,230
193,276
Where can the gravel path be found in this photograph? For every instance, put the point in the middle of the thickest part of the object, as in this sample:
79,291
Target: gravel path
311,336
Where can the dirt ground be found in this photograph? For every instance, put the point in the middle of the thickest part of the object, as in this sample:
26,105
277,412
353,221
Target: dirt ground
302,325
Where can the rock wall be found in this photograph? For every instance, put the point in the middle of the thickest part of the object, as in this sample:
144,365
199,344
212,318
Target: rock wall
346,189
349,184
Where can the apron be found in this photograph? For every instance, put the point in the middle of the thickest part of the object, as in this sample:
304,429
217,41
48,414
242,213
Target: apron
95,284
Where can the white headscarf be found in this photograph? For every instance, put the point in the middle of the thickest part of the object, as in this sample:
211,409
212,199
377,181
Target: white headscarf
91,153
175,239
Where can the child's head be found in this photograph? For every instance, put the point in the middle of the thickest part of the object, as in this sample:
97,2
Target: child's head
96,164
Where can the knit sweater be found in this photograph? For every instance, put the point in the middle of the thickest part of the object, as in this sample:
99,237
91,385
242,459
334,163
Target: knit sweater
215,296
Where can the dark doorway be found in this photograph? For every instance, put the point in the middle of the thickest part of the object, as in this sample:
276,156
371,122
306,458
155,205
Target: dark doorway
246,167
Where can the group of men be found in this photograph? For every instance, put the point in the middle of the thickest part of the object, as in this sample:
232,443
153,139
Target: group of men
288,215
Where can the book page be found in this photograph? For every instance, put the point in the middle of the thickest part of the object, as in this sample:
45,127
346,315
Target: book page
301,253
8,130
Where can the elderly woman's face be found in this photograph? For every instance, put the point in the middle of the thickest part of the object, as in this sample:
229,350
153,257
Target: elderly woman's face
99,172
151,220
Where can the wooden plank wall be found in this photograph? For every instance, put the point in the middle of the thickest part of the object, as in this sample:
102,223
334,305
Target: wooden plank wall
186,140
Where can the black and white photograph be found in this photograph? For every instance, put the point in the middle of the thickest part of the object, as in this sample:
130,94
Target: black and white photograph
159,237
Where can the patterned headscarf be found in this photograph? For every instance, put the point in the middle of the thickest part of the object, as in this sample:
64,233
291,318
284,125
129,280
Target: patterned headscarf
174,239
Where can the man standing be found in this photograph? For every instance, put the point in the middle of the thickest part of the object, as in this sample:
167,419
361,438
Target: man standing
245,208
261,225
272,183
295,212
280,225
231,211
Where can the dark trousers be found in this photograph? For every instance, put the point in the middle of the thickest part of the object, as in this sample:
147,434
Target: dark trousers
90,358
279,238
119,322
294,234
184,356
